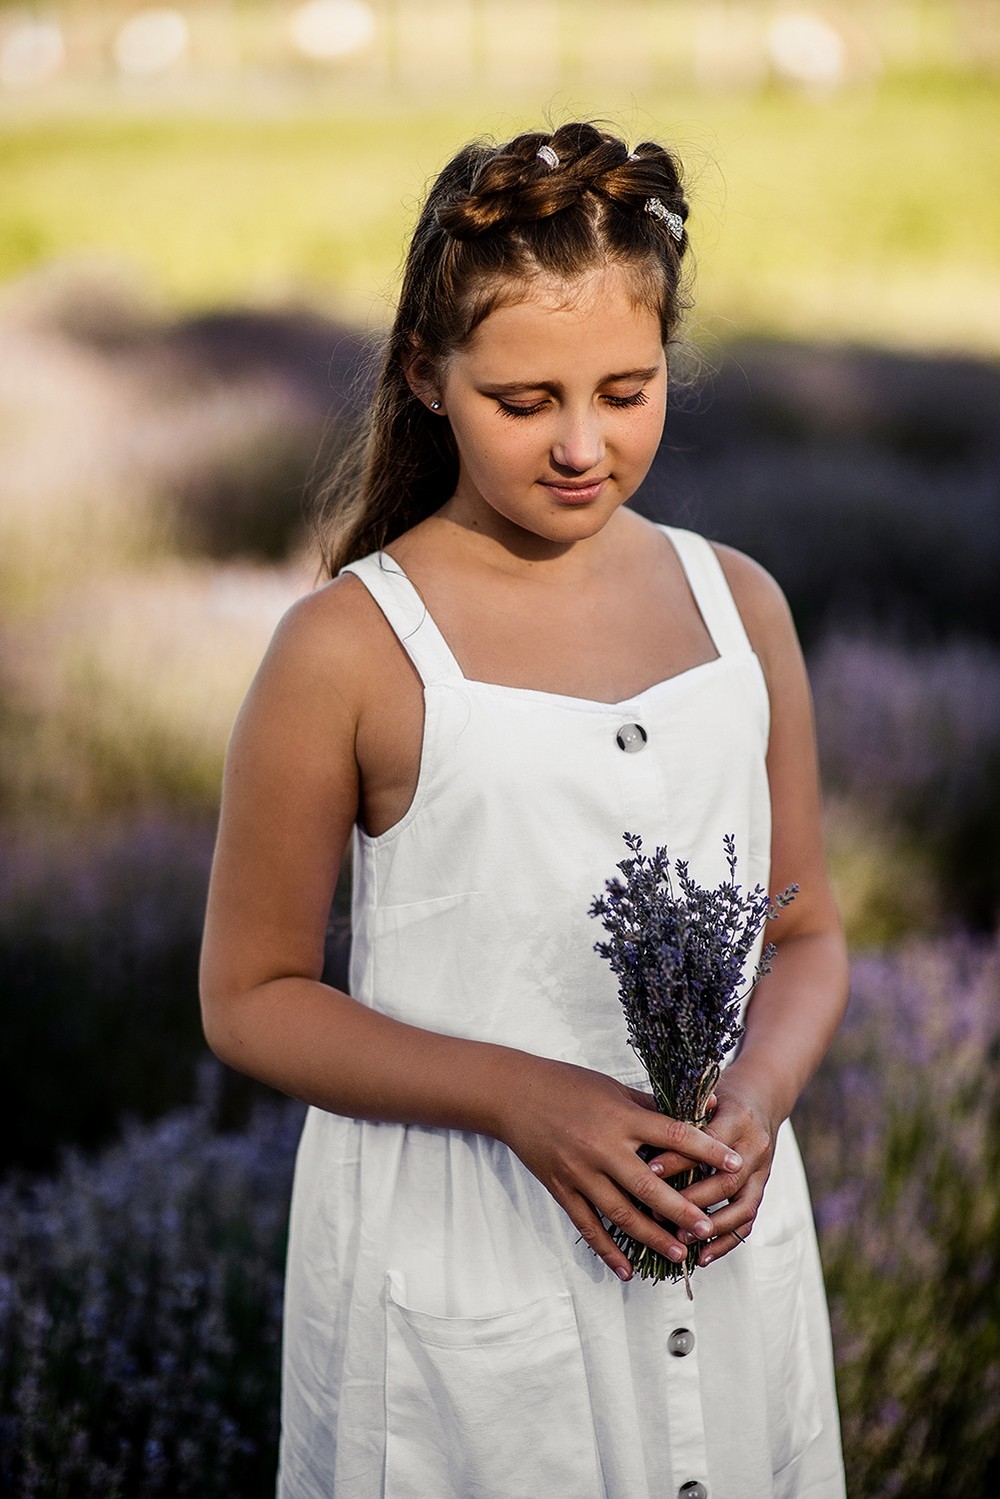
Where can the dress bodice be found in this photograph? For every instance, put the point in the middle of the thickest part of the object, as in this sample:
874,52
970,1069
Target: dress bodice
521,802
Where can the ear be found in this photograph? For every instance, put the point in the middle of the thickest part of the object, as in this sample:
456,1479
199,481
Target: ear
421,376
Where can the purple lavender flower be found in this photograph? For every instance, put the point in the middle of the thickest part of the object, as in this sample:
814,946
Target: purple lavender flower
679,952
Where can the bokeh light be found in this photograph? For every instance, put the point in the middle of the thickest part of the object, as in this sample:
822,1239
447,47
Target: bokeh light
152,42
31,53
808,49
327,29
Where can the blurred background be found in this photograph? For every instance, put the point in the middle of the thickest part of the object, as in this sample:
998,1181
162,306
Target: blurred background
203,209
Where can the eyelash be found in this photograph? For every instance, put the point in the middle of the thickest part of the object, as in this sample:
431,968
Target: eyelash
618,402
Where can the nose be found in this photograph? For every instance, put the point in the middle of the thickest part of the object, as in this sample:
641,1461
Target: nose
579,440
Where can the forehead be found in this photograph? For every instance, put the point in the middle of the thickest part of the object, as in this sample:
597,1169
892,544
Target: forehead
598,314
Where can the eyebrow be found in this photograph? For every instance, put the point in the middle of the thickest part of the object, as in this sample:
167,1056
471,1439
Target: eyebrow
511,387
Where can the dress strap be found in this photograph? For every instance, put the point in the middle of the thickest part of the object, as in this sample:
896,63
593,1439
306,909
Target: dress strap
408,616
711,592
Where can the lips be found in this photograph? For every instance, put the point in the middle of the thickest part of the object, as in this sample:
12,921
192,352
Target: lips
575,493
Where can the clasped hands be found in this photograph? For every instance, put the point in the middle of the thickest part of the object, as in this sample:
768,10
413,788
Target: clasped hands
588,1139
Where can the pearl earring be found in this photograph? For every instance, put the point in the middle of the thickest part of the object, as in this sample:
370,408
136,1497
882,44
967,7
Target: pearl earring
435,405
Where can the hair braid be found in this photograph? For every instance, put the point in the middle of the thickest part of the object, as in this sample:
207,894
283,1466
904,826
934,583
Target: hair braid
513,185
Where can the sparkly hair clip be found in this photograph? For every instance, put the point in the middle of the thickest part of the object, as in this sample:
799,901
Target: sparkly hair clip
673,221
546,154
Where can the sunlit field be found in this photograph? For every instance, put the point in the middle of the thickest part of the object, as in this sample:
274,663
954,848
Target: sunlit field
194,273
873,216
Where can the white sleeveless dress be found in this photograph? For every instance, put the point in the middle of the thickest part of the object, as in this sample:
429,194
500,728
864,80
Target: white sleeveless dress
446,1334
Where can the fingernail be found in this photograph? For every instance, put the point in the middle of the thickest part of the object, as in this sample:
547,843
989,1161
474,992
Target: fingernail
733,1161
707,1259
684,1236
703,1229
623,1272
656,1168
675,1252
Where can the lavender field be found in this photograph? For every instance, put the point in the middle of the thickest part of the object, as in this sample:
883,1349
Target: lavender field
151,533
140,1290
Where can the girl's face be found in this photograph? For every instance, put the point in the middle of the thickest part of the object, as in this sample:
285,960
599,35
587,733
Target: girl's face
557,405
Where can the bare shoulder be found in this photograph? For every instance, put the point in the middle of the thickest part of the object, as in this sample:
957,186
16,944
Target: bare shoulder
761,603
327,639
296,734
328,617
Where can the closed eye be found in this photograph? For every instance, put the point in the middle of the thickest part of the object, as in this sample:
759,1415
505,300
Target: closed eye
506,409
639,398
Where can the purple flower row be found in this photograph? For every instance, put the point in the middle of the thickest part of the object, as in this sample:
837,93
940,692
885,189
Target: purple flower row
901,1133
140,1313
140,1292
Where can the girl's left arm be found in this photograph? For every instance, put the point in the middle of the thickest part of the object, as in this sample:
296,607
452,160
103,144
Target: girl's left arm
795,1010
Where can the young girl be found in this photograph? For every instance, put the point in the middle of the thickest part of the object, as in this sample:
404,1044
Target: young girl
507,670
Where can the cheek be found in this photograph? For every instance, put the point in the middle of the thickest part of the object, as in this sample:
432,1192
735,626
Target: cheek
648,429
494,444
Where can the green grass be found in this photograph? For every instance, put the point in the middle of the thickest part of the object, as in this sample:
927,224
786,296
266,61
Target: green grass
871,216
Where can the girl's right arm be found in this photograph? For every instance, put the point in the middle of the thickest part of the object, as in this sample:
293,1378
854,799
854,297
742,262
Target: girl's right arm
291,793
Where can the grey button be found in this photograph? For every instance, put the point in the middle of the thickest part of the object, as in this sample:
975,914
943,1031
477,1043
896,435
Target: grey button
631,738
680,1342
692,1490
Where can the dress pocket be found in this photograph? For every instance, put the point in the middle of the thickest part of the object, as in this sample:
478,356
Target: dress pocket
490,1407
794,1411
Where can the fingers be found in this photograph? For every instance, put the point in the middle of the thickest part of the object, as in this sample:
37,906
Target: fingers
731,1201
581,1134
725,1237
596,1237
732,1225
591,1219
678,1144
723,1244
732,1221
628,1185
672,1163
709,1191
668,1206
669,1164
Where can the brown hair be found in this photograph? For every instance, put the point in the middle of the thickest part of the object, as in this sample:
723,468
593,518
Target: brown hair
496,217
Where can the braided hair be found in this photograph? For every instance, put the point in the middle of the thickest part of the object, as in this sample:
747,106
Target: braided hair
496,218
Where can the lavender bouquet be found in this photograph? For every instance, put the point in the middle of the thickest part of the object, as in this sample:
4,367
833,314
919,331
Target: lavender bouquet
679,952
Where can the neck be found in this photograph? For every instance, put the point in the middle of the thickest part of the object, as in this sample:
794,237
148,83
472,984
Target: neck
505,547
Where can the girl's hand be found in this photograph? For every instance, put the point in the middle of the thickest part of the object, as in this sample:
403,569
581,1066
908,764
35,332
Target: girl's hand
580,1133
742,1122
